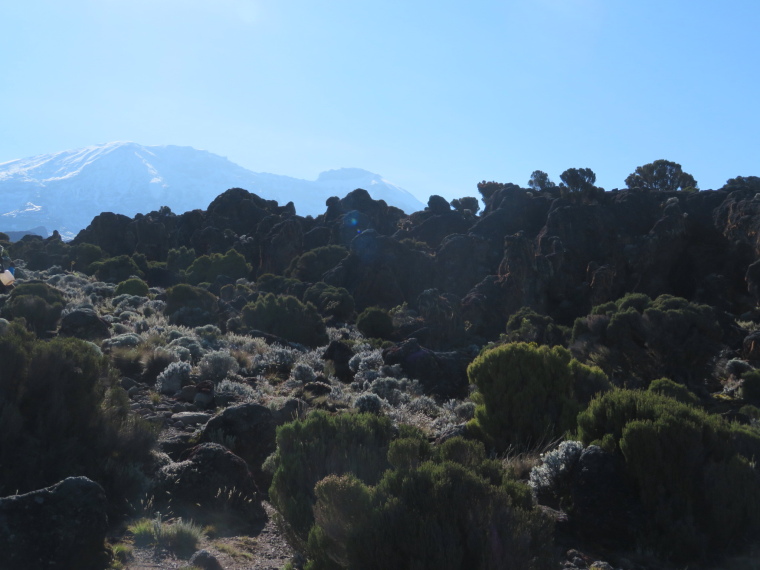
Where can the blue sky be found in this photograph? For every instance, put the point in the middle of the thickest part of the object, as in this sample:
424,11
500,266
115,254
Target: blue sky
434,96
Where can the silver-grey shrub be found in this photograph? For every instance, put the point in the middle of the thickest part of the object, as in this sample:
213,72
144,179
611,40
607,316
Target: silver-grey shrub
210,336
196,350
302,372
424,405
550,479
366,360
170,381
127,340
217,365
236,391
369,403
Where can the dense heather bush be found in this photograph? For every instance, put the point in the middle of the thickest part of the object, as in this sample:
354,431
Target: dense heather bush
692,470
308,450
287,317
330,301
179,259
750,390
133,286
312,265
526,325
58,418
38,303
206,268
115,269
83,255
280,285
190,306
529,394
441,508
375,322
674,390
647,339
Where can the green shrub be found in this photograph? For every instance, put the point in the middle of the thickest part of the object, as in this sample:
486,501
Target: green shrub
309,450
646,339
133,286
36,302
286,316
330,301
449,509
39,253
115,269
180,259
59,418
206,268
83,255
312,265
691,470
674,390
526,325
750,411
190,306
375,322
529,394
280,285
750,390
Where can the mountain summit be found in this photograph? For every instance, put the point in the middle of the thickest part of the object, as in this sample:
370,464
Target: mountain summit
66,189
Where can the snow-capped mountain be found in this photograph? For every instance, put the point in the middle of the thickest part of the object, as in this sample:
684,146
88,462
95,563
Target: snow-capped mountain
65,190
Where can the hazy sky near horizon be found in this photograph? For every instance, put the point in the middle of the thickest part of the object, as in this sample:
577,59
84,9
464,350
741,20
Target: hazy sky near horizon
434,96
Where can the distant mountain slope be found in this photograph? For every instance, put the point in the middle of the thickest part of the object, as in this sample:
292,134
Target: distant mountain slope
65,190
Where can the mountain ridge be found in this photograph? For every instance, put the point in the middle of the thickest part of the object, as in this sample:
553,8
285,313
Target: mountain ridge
66,189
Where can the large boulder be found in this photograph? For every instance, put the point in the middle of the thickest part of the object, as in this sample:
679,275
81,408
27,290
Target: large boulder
211,483
110,232
442,374
463,261
435,228
278,247
249,431
340,354
85,324
59,527
381,271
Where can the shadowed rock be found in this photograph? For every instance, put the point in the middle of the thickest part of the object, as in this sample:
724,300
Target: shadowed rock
59,527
